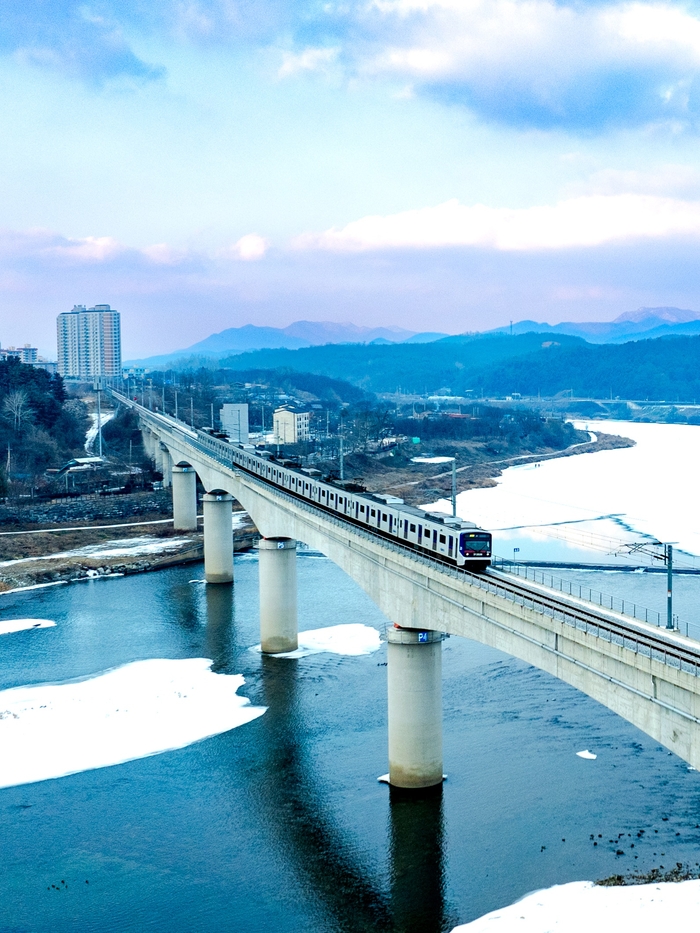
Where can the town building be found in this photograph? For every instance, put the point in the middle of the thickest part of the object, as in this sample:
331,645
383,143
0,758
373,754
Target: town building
89,342
25,354
28,355
234,421
290,425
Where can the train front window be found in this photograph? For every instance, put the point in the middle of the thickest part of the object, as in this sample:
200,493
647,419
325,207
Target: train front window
474,542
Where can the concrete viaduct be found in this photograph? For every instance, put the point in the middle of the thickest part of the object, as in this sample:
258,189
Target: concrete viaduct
649,676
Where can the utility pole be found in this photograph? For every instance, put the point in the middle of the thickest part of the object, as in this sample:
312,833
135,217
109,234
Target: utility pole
176,404
668,548
192,410
454,487
342,459
163,402
212,419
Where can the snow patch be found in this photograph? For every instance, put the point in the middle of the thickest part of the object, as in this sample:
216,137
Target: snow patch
129,547
351,640
587,755
581,906
91,435
23,625
141,709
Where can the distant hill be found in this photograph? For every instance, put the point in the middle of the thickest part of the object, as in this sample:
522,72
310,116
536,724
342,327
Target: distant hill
658,369
451,363
632,325
294,337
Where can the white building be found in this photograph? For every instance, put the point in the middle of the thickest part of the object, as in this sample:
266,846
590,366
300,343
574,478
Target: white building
89,342
290,426
234,420
25,354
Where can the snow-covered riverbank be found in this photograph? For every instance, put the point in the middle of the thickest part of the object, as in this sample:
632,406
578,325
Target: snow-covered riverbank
582,906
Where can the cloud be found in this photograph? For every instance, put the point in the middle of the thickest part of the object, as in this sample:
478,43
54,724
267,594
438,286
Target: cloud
249,248
81,41
537,63
582,222
308,60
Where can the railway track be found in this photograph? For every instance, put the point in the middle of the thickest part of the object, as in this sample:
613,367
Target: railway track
666,646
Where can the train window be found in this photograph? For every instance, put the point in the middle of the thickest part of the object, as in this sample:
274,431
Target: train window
374,512
323,493
442,539
413,529
383,518
340,500
362,508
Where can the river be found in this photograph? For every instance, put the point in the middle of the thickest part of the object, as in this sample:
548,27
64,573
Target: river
280,823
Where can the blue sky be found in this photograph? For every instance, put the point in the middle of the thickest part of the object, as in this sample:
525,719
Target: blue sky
431,164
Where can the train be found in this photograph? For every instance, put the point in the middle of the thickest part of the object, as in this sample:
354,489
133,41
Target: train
451,540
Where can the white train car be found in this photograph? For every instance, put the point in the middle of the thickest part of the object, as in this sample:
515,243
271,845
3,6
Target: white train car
449,539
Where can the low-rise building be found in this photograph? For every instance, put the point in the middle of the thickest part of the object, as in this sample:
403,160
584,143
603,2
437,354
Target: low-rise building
290,425
234,421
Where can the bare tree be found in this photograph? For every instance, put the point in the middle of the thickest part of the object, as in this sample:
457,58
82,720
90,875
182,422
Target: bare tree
16,409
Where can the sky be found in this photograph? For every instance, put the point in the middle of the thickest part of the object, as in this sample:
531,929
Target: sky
434,165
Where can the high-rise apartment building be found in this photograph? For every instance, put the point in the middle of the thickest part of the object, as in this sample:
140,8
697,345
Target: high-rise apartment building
89,342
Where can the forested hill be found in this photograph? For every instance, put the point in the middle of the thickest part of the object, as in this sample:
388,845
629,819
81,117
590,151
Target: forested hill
667,368
39,426
449,363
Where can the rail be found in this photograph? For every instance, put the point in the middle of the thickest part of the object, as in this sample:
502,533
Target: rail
667,648
626,607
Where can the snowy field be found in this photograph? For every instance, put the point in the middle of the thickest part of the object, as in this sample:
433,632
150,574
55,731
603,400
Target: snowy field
581,906
124,547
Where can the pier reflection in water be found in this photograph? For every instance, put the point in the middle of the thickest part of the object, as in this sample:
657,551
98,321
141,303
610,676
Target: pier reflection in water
295,811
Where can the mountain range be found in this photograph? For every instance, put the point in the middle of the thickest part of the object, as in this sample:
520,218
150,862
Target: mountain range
642,324
300,334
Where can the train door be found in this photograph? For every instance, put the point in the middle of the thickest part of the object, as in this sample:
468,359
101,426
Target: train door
420,534
434,539
405,528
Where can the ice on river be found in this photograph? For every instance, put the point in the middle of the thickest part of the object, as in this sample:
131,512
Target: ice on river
351,640
8,626
582,906
141,709
650,489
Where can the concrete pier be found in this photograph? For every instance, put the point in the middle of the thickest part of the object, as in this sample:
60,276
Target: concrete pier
166,466
414,674
218,537
184,479
279,630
